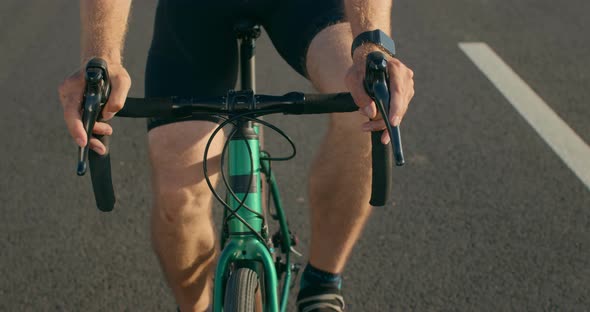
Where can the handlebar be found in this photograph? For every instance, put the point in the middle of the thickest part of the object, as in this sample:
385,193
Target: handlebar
236,102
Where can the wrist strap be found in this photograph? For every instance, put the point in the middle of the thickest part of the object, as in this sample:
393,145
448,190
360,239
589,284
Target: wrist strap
377,37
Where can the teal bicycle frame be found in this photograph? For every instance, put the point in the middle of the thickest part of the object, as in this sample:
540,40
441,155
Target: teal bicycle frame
240,246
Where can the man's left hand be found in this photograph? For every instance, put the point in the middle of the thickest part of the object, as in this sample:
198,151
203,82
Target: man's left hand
401,88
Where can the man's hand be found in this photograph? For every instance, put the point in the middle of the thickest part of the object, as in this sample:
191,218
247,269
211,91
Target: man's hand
401,88
71,91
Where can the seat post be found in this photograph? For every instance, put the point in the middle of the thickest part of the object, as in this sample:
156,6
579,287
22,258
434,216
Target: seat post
247,32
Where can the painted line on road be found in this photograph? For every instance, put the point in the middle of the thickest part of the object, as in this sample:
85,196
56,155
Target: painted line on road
564,141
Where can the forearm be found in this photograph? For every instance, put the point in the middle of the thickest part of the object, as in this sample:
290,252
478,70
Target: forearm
104,24
366,15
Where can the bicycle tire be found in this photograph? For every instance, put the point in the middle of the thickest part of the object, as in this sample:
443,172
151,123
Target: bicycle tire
240,291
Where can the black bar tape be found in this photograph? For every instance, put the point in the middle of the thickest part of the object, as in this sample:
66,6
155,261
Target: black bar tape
100,174
381,179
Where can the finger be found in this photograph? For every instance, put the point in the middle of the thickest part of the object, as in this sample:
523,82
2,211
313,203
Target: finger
377,125
398,90
120,87
373,125
354,82
70,95
398,109
97,146
385,138
376,116
102,128
73,119
410,93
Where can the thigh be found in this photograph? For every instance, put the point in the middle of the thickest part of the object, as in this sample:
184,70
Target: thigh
177,153
328,58
193,52
293,24
328,61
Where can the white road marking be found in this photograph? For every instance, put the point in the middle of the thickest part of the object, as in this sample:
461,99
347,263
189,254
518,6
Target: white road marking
574,152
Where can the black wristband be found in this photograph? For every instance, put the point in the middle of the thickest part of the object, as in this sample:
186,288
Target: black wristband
377,37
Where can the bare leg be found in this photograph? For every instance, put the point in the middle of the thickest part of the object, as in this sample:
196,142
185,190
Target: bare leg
183,235
339,183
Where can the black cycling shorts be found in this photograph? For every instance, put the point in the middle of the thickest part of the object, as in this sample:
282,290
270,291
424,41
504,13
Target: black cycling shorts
194,50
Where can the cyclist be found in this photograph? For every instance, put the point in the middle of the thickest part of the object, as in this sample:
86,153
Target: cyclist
191,42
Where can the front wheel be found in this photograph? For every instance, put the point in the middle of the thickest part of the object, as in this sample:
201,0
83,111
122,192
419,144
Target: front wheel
242,292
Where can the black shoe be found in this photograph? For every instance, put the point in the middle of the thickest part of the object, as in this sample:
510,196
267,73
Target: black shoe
320,299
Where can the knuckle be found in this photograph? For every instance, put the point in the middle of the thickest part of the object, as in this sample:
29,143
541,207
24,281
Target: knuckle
397,65
394,62
397,88
122,80
127,77
118,105
358,101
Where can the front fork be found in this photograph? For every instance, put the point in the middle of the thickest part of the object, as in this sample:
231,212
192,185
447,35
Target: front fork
248,250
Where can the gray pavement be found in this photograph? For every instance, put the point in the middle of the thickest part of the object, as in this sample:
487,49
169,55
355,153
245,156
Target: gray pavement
485,217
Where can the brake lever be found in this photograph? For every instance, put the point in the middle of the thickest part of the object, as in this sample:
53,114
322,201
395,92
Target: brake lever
95,97
376,85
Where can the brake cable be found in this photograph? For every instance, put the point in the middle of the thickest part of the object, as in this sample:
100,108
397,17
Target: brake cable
232,120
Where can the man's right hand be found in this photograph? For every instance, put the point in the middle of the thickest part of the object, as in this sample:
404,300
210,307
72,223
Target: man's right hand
71,91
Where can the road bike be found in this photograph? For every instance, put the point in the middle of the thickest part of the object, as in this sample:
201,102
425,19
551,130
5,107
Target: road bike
255,269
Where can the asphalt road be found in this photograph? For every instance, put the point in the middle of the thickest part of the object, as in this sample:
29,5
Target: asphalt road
485,216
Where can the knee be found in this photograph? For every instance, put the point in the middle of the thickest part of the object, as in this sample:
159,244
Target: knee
181,194
182,205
